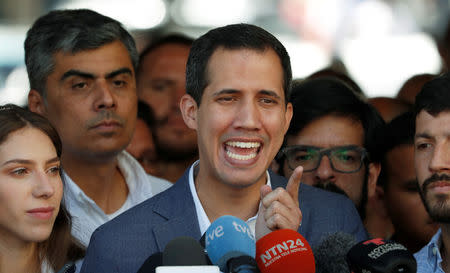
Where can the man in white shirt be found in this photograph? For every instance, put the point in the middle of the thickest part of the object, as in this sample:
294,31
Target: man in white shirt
81,66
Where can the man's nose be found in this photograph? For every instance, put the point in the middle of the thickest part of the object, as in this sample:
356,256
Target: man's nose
324,171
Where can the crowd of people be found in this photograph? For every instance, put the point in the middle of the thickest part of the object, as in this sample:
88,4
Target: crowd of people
118,153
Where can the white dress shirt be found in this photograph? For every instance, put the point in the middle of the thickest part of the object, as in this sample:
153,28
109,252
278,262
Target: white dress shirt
203,220
87,216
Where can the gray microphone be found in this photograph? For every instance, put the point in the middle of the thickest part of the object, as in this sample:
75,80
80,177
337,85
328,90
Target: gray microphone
331,253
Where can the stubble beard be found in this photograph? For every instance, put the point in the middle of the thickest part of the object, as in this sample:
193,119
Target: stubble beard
437,206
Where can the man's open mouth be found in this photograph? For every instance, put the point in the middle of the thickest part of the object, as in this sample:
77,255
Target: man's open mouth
241,150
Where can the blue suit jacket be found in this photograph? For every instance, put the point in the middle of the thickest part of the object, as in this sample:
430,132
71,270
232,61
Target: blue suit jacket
125,242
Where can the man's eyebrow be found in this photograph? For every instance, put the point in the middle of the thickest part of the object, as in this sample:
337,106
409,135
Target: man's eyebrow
270,93
225,91
422,135
124,70
74,72
234,91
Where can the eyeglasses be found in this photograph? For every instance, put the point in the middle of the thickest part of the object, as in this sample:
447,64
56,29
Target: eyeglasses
344,159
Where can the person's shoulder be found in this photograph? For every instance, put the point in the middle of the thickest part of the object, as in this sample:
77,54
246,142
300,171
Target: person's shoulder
144,211
428,253
131,233
158,184
422,259
422,254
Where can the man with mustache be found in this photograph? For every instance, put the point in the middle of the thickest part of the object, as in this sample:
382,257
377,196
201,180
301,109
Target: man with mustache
332,136
81,66
398,188
432,164
161,83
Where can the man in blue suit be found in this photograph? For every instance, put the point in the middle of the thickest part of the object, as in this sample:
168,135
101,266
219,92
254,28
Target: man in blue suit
237,80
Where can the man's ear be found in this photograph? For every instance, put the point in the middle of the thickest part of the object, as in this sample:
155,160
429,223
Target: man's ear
36,102
374,172
288,116
189,109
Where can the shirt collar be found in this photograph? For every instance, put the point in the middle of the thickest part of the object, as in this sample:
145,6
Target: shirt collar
433,253
131,171
203,219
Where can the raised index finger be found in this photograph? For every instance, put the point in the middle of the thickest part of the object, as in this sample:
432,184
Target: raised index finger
294,183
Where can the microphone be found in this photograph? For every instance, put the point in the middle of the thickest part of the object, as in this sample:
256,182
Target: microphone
183,251
381,256
182,254
282,251
231,245
331,253
149,266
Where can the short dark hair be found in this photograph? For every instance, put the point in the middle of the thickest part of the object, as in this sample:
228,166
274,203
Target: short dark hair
329,72
69,31
316,98
172,38
434,97
399,131
236,36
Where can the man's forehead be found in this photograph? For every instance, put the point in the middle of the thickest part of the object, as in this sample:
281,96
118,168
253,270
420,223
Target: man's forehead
424,118
104,59
222,50
222,57
329,131
336,120
428,124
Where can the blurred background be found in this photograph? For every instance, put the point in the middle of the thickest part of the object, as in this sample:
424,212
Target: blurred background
380,44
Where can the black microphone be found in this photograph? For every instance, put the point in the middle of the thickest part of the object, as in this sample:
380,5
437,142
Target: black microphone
184,254
152,262
381,256
331,254
184,251
181,251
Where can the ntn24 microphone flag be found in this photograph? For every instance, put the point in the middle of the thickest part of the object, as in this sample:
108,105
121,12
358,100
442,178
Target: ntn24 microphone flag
283,251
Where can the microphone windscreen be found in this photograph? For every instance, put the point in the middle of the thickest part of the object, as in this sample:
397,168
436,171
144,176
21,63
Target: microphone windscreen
184,251
331,253
149,266
282,251
226,238
383,256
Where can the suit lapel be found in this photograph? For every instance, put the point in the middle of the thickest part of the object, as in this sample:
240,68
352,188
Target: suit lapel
177,210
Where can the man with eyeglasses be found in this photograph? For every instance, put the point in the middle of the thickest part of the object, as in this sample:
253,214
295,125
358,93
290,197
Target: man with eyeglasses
332,135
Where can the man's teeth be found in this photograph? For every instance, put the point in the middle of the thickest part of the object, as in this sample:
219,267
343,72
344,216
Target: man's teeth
241,157
244,144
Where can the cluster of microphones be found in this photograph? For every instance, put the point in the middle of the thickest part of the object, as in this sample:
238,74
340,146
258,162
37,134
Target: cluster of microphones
229,246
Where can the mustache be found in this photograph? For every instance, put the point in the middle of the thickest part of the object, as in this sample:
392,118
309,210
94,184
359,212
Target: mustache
103,116
329,186
434,178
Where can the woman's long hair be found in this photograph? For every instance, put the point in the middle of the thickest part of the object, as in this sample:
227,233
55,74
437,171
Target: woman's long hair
60,247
